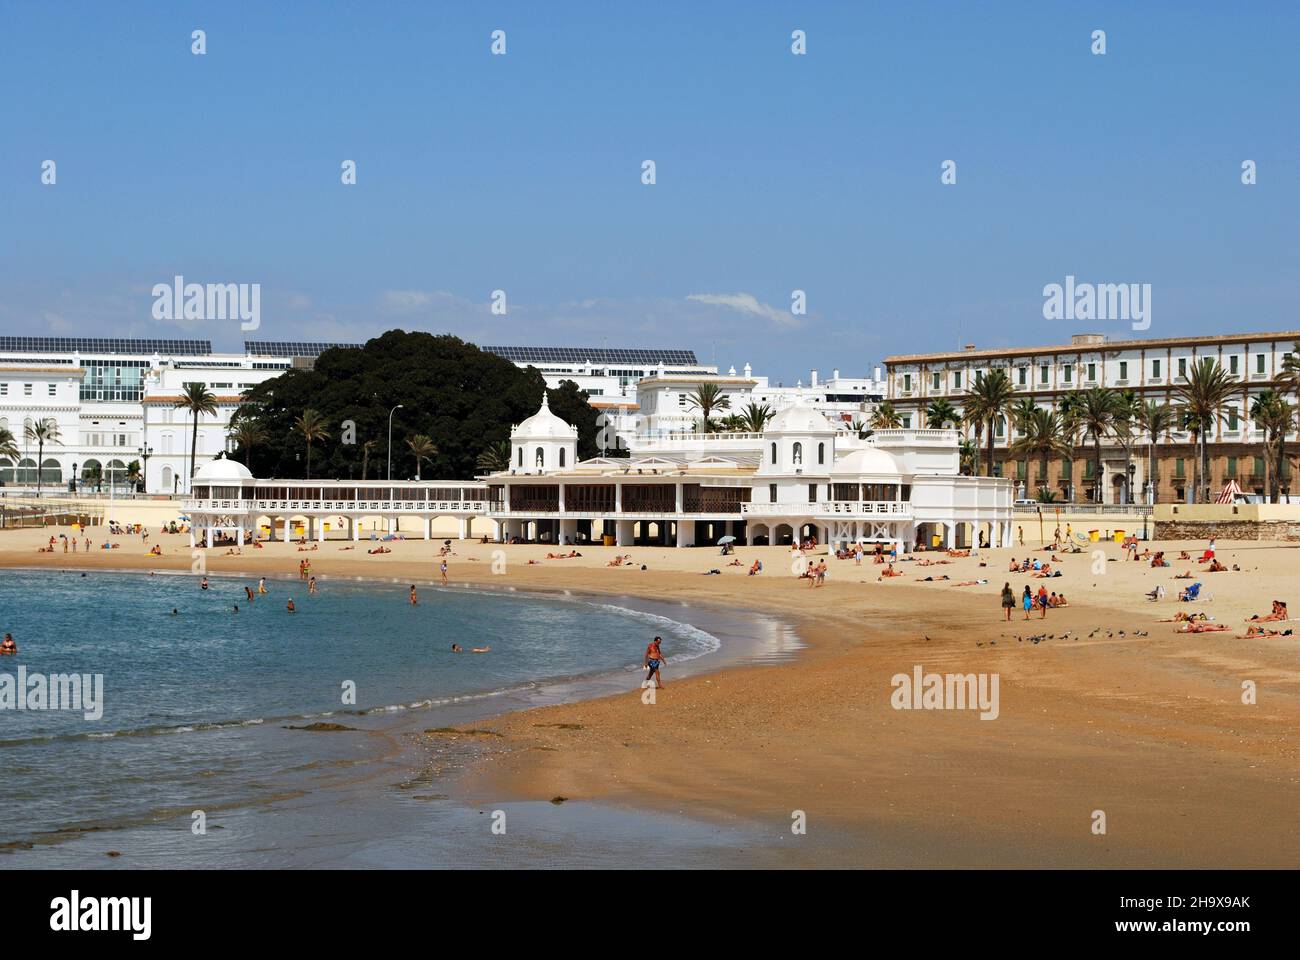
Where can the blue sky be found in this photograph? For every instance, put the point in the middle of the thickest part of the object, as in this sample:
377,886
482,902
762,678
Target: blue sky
775,172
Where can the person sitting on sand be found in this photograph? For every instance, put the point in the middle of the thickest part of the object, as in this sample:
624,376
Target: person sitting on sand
736,563
7,646
1278,613
889,571
756,568
1215,567
1061,601
155,550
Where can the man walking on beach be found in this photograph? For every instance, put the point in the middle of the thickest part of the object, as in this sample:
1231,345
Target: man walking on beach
654,658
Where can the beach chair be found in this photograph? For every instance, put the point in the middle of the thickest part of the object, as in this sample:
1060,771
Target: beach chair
1191,593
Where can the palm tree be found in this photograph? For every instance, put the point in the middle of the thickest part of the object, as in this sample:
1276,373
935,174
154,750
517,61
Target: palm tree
968,455
1042,433
1155,419
495,458
1289,378
312,426
8,444
861,429
422,448
886,417
40,433
732,423
987,401
1097,411
1020,415
1276,417
1069,410
755,417
707,398
1203,397
369,445
133,473
198,400
940,413
246,432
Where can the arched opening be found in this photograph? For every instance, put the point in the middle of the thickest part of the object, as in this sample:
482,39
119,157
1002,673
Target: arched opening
520,458
27,471
51,471
92,473
540,458
821,454
757,534
168,479
774,454
561,458
796,454
782,535
6,470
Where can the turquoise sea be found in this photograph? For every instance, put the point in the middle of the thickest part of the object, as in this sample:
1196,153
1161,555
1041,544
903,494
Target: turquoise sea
198,705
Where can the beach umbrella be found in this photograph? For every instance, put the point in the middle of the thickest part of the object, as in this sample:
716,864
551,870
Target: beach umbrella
1230,493
726,539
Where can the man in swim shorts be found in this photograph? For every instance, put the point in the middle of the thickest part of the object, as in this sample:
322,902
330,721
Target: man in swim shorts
654,659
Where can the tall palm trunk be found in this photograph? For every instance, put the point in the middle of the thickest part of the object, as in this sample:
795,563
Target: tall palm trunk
992,425
308,458
40,459
194,443
1277,469
1098,486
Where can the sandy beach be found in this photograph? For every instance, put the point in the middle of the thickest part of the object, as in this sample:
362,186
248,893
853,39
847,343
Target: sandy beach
1123,716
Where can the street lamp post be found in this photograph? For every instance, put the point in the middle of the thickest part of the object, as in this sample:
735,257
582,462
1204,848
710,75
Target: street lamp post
390,439
145,452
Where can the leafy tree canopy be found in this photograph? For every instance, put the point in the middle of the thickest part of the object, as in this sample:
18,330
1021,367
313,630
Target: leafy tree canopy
463,398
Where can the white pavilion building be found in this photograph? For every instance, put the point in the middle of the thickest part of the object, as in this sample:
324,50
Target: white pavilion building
800,479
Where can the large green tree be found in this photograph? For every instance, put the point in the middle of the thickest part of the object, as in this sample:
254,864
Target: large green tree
463,398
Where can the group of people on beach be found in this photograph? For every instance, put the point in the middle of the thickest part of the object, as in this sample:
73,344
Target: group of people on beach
1030,601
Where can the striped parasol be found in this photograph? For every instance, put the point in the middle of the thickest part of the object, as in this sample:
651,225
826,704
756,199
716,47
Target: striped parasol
1230,493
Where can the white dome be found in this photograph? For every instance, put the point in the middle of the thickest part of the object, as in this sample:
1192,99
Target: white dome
799,418
543,425
222,471
867,461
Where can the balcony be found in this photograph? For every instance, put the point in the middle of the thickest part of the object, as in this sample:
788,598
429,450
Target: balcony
891,509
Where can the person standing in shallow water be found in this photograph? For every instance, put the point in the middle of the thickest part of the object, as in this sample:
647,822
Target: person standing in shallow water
654,659
414,599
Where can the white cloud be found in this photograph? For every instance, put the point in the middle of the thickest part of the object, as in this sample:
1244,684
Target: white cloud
749,304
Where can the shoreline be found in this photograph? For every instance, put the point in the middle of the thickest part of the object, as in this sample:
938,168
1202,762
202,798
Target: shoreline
1149,729
400,732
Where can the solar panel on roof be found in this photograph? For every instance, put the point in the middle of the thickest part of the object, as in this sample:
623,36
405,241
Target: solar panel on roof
594,355
105,345
289,348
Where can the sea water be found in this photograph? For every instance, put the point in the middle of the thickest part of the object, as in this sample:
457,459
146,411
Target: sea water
197,704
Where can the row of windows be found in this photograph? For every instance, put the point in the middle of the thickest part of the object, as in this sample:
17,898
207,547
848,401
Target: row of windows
539,459
796,455
1021,376
29,389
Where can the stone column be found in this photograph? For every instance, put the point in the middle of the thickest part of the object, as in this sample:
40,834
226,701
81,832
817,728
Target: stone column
568,531
464,528
685,533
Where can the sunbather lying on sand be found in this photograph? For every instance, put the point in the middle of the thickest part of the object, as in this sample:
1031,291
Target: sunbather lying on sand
1201,627
1254,630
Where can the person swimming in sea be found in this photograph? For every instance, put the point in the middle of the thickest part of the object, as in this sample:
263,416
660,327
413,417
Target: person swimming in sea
414,598
290,607
456,648
203,584
7,646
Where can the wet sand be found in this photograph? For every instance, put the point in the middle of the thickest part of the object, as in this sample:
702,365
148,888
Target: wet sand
1151,730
